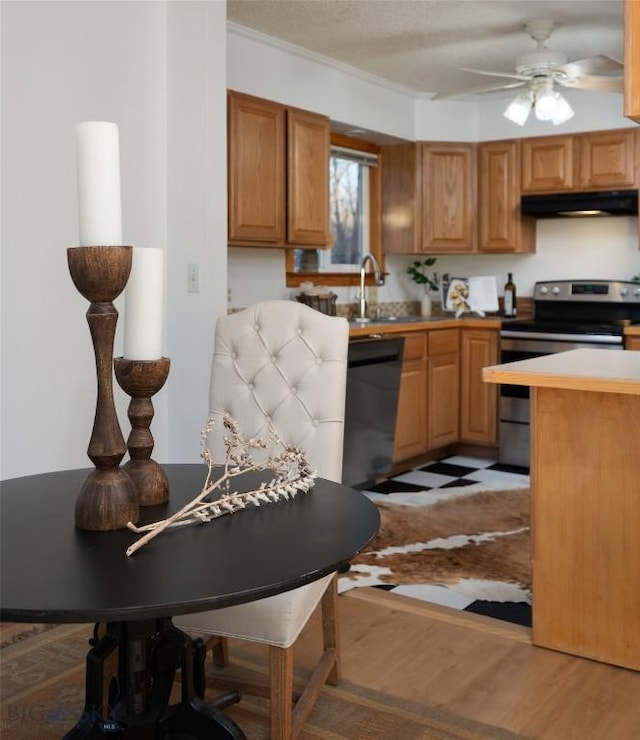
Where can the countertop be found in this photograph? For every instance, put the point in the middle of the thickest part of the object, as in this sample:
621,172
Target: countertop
419,323
577,369
401,326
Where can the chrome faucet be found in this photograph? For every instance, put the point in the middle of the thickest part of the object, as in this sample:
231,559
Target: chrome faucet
379,280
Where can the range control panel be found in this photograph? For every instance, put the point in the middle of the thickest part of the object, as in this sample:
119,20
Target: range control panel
588,291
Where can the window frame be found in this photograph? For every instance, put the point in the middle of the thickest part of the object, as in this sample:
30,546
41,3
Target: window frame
294,279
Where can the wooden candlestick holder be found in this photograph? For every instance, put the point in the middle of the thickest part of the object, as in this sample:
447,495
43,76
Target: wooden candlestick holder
141,379
107,498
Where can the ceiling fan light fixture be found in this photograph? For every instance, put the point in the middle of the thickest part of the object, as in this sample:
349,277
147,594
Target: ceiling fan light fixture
545,104
563,111
519,108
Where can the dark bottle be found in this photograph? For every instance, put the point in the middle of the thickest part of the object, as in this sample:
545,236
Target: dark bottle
510,297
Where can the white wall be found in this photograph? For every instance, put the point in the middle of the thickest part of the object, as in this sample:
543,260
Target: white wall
197,211
157,69
65,62
606,247
259,65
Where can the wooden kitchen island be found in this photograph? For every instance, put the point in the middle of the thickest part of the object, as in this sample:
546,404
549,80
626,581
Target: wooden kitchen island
585,482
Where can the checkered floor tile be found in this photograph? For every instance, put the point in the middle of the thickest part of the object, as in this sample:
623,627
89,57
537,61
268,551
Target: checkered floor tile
454,472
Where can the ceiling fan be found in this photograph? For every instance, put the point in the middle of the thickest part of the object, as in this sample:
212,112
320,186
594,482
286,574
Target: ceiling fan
538,70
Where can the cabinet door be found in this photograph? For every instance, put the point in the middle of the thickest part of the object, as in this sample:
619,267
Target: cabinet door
400,198
632,343
632,59
443,387
308,141
606,159
443,400
501,226
411,428
256,177
448,197
478,400
547,164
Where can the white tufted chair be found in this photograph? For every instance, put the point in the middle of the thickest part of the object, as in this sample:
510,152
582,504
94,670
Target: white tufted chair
283,364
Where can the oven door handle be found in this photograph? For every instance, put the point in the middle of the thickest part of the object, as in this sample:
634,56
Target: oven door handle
553,337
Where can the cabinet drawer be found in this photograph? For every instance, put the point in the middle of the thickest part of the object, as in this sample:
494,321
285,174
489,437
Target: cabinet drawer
415,346
443,342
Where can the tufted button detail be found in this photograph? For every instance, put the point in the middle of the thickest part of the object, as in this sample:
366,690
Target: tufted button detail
234,355
250,385
299,332
273,358
318,361
267,419
294,390
315,422
256,326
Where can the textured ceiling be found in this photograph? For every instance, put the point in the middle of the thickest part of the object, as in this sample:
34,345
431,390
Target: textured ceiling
421,44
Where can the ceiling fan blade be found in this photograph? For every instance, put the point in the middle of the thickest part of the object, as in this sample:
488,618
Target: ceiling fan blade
477,91
511,75
597,65
594,82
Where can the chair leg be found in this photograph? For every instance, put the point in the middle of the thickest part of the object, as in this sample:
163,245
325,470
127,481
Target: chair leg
330,628
219,647
281,691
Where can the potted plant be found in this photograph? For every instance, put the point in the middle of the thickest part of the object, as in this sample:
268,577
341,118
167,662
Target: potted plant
419,274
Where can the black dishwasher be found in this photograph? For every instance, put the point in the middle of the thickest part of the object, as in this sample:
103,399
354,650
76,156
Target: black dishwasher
373,382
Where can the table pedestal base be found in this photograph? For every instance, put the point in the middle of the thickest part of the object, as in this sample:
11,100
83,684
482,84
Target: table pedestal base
131,671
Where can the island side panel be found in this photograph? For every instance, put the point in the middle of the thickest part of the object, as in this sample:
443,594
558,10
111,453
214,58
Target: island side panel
586,524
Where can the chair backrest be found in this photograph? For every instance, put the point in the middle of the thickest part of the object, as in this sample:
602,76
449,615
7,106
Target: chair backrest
282,364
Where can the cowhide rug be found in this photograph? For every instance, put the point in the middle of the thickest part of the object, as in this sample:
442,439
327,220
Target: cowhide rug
472,539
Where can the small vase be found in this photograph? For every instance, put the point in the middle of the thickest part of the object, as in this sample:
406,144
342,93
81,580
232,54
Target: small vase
425,305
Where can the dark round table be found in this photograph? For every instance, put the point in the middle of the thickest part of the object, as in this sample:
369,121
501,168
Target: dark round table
53,572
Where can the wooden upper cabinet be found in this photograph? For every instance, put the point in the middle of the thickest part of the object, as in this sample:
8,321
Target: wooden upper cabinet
278,174
308,142
547,164
401,193
632,59
606,159
580,162
448,197
256,176
428,192
501,226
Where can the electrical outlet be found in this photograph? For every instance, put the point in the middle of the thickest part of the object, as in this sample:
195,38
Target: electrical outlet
193,278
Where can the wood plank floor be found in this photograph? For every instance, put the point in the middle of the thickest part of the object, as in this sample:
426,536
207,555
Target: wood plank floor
478,667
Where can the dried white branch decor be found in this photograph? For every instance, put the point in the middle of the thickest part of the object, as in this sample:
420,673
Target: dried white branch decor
292,474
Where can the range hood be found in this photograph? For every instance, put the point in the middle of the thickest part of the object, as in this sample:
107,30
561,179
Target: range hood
605,203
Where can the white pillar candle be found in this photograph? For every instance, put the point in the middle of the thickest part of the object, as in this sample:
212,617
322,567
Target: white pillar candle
143,305
99,200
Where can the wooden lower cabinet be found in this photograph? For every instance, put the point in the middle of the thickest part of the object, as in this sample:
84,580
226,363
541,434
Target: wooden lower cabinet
443,399
411,426
443,388
632,343
478,400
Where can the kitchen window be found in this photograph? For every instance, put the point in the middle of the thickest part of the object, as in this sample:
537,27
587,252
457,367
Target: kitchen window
354,184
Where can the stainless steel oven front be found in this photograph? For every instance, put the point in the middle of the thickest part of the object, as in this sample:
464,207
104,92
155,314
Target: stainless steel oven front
514,399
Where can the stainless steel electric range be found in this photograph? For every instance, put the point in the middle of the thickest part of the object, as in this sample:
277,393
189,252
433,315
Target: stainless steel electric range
568,314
